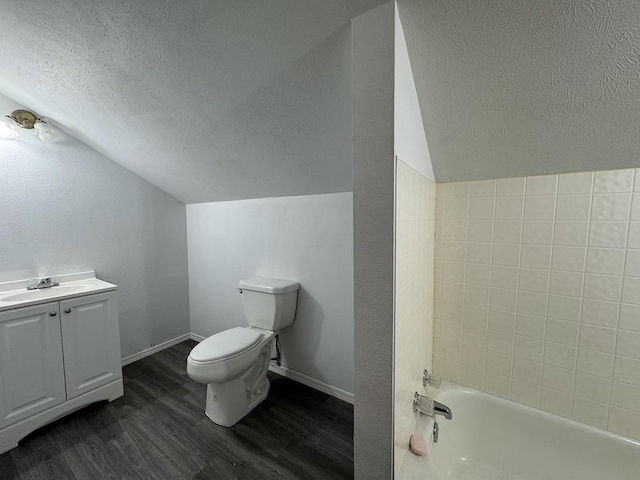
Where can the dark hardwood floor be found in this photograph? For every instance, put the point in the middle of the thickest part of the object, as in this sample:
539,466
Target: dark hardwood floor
158,430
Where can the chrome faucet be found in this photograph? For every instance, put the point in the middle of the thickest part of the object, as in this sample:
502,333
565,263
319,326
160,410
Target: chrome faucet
430,407
44,282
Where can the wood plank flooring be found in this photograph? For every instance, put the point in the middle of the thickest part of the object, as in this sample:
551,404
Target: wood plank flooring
158,430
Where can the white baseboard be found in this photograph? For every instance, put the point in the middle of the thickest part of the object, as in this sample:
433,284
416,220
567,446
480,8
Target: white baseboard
313,383
155,349
284,371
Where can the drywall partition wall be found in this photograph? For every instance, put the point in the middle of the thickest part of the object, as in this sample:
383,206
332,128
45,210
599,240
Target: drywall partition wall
65,208
410,143
538,292
527,87
415,223
308,239
373,199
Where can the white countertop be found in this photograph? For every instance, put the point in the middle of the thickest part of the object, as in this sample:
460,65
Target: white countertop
15,294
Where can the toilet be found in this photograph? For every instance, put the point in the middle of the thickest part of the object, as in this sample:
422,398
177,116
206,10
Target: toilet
234,363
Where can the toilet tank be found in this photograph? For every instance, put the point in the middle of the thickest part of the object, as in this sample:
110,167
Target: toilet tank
269,303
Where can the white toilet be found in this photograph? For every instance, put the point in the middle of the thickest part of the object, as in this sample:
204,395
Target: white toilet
234,363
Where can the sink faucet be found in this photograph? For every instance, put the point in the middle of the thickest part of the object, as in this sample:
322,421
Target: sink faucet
430,407
44,282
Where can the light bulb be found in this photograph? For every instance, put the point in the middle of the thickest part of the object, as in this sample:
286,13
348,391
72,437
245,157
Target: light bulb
45,135
7,130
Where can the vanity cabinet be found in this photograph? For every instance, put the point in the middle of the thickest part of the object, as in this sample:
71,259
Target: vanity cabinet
55,358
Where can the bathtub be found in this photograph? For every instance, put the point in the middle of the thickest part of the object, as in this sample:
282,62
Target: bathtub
490,438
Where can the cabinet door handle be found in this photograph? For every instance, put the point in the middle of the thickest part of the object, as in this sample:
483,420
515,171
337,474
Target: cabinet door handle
53,314
67,310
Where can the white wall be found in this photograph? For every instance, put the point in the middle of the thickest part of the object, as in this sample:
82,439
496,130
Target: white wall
306,238
410,142
66,208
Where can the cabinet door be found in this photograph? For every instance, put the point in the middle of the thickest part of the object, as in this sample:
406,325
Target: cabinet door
31,369
91,342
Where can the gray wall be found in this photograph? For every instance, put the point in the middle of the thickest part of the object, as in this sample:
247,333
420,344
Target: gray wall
308,239
513,88
373,198
65,208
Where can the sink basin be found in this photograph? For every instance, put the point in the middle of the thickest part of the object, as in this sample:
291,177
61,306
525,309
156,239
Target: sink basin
29,295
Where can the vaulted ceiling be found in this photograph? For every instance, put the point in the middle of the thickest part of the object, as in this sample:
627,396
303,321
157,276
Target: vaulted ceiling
207,99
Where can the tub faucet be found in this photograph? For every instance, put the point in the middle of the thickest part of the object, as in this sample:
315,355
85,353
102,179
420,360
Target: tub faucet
430,407
44,282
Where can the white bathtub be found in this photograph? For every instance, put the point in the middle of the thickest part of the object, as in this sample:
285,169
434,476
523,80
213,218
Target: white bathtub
490,438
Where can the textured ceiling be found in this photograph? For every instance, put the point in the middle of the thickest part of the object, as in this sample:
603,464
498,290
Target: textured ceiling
209,100
514,88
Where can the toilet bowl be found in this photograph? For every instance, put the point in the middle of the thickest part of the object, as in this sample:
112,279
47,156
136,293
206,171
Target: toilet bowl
234,363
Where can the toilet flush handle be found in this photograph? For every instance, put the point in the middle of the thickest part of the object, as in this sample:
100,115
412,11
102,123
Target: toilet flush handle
239,290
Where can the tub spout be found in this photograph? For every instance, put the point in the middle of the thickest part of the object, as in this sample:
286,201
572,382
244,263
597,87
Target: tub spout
440,409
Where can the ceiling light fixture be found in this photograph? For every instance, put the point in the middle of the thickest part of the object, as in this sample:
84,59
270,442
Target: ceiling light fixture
27,120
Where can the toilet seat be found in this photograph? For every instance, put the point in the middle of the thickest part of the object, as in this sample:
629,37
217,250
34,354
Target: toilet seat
225,345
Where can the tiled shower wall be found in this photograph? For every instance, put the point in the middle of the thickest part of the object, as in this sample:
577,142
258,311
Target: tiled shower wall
415,213
538,292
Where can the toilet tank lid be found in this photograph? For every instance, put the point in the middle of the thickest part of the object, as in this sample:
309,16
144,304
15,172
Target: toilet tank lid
269,285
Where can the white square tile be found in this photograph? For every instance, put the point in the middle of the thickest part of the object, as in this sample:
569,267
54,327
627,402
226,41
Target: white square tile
453,292
480,231
573,207
456,189
637,182
471,376
482,188
497,384
590,412
555,402
635,207
559,379
631,290
476,295
454,251
481,209
600,339
474,336
456,208
526,370
507,231
601,313
530,326
537,232
608,234
532,303
525,393
571,234
540,208
595,363
535,256
569,259
452,310
629,317
534,280
509,208
614,181
453,272
504,277
478,274
566,283
634,235
473,355
632,264
510,187
500,342
606,260
564,308
625,396
602,287
611,206
542,185
506,254
624,422
503,299
475,316
499,363
627,370
628,344
571,183
529,349
559,331
478,252
558,355
501,321
455,230
593,388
